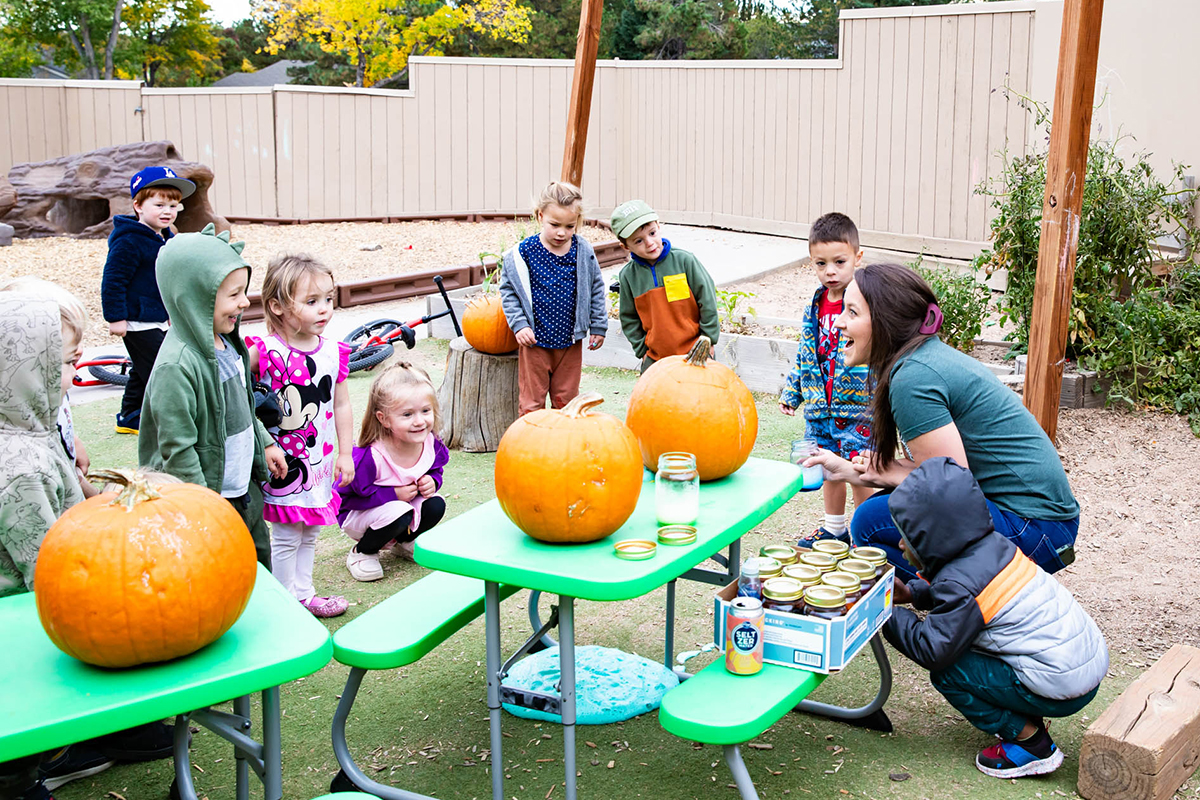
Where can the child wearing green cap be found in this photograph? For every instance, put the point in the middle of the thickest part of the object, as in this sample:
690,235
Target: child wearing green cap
667,298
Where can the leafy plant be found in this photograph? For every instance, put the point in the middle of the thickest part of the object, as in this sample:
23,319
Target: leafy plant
963,300
728,301
1138,331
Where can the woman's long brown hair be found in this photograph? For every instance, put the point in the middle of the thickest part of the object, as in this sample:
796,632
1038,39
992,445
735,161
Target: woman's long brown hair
898,300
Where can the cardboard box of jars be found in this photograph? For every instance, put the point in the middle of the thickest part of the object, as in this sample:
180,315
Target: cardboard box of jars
812,643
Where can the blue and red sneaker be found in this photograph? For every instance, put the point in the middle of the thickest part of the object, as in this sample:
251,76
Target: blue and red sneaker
1037,755
820,534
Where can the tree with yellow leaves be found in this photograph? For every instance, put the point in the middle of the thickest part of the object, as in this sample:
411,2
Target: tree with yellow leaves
377,37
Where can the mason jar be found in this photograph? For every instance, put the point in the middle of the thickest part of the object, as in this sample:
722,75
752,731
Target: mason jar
677,489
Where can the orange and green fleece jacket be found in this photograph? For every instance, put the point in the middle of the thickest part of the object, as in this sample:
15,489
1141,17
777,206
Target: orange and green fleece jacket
661,314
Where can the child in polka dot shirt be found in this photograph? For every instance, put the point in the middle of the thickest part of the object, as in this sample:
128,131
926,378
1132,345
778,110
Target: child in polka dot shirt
553,298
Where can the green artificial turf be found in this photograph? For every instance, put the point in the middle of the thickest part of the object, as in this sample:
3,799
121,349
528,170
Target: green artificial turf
424,727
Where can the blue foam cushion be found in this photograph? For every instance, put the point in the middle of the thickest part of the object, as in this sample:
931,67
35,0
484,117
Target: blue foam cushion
610,685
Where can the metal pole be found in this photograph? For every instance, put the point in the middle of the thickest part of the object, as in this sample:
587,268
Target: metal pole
566,659
733,759
491,595
669,655
272,744
241,707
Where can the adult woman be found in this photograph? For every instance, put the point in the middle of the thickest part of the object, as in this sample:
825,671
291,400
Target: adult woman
935,401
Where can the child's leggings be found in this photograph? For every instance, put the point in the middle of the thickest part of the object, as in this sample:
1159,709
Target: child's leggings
432,510
988,693
293,548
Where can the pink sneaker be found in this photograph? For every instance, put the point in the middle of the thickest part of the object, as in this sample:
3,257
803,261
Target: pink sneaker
326,606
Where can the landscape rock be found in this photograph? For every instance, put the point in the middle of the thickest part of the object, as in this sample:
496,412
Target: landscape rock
8,196
78,195
6,235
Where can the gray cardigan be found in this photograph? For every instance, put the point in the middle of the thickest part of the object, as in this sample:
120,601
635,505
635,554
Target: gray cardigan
591,306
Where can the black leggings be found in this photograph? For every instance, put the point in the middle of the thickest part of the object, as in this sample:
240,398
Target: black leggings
373,540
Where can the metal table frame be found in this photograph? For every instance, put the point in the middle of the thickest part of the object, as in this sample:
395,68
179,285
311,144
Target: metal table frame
265,757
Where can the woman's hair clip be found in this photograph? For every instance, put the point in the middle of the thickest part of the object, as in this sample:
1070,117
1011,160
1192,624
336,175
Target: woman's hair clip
933,320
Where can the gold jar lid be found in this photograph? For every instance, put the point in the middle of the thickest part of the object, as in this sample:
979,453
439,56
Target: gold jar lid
677,534
821,561
843,580
769,568
832,547
824,597
863,570
872,555
635,549
806,575
784,589
783,553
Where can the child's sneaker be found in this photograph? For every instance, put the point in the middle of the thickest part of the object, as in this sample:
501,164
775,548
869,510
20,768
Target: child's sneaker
37,792
819,534
129,424
404,550
326,606
1037,755
72,763
363,567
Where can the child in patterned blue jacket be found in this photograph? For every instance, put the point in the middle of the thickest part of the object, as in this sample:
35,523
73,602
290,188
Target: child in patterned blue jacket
836,398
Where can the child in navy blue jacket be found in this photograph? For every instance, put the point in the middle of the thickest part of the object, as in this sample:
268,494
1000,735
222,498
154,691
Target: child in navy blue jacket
129,293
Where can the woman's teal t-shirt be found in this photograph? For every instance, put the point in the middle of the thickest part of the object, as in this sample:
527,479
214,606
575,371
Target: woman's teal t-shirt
1010,456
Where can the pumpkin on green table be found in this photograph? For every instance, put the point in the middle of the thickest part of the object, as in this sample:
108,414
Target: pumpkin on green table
569,475
146,574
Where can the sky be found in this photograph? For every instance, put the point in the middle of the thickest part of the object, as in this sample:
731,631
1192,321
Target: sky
228,12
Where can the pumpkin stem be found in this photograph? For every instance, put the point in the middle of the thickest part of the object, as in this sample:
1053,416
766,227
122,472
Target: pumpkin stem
582,404
701,351
135,488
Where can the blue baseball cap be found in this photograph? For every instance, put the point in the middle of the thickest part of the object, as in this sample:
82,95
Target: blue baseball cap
160,176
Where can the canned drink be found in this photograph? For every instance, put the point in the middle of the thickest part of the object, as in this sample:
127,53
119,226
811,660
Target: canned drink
744,636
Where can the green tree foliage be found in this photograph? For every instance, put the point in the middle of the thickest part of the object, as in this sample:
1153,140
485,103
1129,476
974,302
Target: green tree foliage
18,54
84,33
169,43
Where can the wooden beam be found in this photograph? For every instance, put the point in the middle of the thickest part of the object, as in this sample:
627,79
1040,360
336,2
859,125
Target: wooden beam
1066,166
586,46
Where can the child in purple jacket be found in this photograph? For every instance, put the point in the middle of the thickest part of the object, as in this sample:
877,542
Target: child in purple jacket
397,470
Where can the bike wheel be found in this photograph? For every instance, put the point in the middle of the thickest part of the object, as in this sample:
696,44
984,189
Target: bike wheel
116,374
363,333
369,357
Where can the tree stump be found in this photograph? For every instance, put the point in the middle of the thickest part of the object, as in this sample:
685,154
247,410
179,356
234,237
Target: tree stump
1147,743
478,398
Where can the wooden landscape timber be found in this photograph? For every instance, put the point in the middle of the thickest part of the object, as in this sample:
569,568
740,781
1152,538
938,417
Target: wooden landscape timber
1147,743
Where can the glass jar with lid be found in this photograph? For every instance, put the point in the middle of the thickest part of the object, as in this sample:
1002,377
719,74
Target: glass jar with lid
783,553
823,562
863,570
769,568
825,602
873,556
677,489
847,583
834,548
806,575
783,594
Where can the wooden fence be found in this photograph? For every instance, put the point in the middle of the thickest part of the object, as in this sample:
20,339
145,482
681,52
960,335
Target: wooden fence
896,132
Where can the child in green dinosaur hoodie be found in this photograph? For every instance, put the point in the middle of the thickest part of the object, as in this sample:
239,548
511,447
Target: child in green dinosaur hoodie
198,419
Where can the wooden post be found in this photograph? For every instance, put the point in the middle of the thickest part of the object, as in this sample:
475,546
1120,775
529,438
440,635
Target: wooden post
1066,166
478,397
586,46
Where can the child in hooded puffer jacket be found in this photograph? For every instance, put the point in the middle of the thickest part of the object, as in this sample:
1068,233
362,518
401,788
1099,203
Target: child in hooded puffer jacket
1003,641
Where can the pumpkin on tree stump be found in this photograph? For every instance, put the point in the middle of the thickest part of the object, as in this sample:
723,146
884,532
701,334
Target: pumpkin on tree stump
485,327
572,475
693,404
146,574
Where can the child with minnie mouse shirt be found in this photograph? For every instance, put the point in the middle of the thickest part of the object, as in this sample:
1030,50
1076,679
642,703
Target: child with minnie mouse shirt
836,398
307,371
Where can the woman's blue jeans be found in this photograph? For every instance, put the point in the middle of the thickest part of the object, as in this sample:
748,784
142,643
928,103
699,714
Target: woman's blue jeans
1037,538
988,693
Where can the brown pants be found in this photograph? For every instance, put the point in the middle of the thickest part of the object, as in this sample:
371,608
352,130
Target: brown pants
555,371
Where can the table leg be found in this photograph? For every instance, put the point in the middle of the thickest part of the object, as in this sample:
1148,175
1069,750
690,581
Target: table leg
566,660
272,752
183,762
669,647
733,759
885,689
241,707
491,594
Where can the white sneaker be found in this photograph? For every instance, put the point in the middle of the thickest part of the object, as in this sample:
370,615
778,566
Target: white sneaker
363,567
404,550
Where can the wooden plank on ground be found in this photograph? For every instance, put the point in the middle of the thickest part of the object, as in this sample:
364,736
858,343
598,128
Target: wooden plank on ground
1147,743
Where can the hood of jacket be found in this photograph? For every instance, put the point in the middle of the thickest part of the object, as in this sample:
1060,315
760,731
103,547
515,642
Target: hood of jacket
940,511
189,270
31,353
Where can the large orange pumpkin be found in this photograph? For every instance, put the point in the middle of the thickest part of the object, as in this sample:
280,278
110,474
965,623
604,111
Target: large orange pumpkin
568,476
485,327
147,574
694,405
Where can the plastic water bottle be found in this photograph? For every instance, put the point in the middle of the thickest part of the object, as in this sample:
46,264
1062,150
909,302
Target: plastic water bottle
749,584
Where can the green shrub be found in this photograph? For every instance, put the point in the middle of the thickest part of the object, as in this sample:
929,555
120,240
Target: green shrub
963,300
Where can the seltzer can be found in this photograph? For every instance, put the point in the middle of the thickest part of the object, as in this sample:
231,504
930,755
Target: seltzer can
744,636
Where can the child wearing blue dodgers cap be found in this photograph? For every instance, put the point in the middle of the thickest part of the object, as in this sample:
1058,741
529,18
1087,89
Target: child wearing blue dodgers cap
129,294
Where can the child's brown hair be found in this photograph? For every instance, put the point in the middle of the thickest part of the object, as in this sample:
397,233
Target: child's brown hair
390,387
560,193
834,227
283,276
165,192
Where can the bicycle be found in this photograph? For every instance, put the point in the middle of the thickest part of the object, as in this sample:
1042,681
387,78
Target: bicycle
373,343
106,370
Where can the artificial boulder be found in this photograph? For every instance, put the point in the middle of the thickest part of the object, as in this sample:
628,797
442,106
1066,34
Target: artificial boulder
8,196
78,195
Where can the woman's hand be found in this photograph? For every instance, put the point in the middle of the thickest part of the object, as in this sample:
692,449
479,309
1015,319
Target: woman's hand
426,485
407,492
836,468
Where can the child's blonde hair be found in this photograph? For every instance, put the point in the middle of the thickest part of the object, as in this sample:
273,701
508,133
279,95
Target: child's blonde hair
283,276
391,386
560,193
74,315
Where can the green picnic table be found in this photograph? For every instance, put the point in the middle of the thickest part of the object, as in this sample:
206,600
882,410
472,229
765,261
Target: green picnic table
49,699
